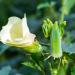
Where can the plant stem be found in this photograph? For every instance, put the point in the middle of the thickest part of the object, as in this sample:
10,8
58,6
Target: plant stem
62,12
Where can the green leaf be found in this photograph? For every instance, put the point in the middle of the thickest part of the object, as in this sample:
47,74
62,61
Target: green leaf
73,70
28,64
3,48
5,70
68,4
62,70
43,5
68,48
32,65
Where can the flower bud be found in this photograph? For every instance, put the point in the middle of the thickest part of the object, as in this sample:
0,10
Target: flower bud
47,26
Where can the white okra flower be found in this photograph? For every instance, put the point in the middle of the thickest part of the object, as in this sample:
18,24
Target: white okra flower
16,33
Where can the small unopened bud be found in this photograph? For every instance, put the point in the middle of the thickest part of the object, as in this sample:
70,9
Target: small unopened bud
47,26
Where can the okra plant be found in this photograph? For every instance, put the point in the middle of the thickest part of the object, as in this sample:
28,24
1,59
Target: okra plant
16,33
48,58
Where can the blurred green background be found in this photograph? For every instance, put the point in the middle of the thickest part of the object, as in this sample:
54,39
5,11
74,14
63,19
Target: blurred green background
11,58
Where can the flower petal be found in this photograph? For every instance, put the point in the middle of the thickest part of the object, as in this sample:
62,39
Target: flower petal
16,28
16,33
25,27
4,34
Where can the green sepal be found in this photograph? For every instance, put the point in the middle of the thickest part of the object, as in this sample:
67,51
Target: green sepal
35,47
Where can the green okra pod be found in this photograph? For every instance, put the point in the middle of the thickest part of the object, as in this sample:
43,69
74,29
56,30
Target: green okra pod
56,50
